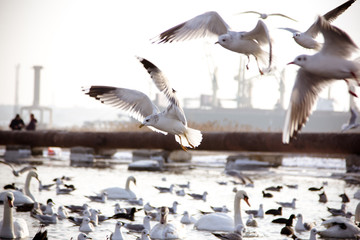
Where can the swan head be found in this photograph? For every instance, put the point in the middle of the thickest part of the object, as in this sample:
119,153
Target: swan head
132,178
241,194
34,175
9,198
164,211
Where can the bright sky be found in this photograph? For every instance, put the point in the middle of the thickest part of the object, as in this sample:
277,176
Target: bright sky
94,42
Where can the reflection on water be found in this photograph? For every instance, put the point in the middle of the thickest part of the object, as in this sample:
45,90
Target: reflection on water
92,180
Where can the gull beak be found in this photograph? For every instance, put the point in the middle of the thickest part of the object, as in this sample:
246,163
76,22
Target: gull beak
217,42
246,199
141,125
290,63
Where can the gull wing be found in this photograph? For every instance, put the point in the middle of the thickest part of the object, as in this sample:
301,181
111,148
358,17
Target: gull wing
6,163
251,12
136,103
27,168
292,30
261,34
304,94
330,16
200,26
281,15
163,85
337,42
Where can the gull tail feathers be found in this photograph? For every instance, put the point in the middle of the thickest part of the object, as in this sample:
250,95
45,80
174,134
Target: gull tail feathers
193,137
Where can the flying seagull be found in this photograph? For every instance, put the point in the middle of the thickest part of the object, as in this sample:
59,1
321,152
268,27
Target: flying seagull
211,23
139,106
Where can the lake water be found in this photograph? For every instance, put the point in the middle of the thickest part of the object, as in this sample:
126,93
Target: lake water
304,171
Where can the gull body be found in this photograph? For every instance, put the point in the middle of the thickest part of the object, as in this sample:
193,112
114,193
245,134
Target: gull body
236,235
187,219
301,226
117,234
86,225
46,219
288,204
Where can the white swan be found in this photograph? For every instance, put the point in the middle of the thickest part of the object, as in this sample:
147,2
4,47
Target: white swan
221,221
357,214
339,227
164,230
21,198
121,193
10,227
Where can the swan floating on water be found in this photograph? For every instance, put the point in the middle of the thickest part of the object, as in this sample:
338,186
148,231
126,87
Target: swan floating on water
12,227
339,227
164,230
21,198
121,193
221,221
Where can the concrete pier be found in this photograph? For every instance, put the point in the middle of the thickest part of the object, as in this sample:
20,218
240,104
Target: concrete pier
325,144
308,143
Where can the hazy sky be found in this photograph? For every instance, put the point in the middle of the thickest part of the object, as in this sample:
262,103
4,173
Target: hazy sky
88,42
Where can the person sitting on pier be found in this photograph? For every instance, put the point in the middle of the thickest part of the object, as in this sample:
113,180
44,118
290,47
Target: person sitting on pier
32,123
17,123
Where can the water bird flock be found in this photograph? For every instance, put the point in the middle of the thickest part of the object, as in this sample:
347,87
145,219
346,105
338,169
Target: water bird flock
222,221
331,60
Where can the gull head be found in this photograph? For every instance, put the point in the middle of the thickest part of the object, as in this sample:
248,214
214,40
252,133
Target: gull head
149,121
296,35
300,60
224,39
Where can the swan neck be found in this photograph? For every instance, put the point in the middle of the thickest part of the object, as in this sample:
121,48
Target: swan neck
237,212
27,187
7,230
147,225
127,185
